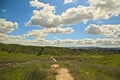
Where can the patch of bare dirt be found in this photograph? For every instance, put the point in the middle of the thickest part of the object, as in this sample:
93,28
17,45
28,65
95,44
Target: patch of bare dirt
62,73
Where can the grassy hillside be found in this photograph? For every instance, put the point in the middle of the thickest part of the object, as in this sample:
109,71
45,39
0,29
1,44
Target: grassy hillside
20,66
18,62
15,48
93,67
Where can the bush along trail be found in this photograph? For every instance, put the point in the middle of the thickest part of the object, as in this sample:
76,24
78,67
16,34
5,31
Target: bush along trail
62,73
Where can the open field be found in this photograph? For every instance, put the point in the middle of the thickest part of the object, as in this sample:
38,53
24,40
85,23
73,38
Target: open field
82,67
82,64
24,67
93,67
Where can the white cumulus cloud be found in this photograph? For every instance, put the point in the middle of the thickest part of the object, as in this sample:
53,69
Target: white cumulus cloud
107,30
40,34
93,29
7,26
97,10
104,9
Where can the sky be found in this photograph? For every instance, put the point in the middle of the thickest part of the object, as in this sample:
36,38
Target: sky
61,23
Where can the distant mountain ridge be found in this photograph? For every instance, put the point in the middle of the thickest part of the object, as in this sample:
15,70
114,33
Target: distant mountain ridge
95,48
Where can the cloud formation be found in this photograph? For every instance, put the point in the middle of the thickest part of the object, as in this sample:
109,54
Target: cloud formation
7,26
68,1
12,38
89,42
104,9
97,10
47,17
93,29
40,34
107,30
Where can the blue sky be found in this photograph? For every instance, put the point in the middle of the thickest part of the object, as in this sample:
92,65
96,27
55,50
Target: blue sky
69,21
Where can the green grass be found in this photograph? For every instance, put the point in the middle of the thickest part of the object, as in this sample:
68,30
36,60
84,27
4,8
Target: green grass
110,60
11,57
14,73
19,57
33,71
37,71
93,67
82,67
82,71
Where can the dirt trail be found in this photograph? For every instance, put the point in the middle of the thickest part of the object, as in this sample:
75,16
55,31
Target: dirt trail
62,73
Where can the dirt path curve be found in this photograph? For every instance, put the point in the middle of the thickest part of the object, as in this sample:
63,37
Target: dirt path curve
62,73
